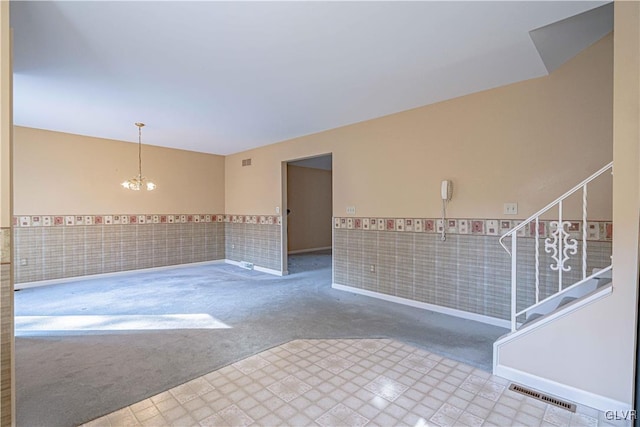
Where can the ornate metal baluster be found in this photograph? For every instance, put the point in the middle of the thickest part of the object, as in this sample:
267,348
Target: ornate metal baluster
561,246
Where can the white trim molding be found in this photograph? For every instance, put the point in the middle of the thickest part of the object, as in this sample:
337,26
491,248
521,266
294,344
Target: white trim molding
425,306
37,284
257,268
563,391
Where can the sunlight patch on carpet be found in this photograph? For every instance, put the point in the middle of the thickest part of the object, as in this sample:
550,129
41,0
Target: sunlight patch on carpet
133,322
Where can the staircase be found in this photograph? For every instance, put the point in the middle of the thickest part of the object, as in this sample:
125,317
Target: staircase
544,281
578,294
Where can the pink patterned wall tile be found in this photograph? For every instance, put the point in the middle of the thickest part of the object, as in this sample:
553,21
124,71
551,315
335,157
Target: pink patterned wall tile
429,226
542,229
477,226
609,230
58,220
390,224
357,224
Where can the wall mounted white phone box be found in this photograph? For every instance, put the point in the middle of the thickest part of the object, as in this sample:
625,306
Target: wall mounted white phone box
446,190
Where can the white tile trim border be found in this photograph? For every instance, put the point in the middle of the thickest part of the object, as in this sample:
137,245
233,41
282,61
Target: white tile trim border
426,306
39,283
566,392
256,267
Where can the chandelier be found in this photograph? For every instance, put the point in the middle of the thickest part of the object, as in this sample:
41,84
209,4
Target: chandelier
138,182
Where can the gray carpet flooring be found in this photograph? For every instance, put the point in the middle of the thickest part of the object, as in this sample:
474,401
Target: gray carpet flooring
67,378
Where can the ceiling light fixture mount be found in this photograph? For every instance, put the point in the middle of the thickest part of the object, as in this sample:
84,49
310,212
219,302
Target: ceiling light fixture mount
139,182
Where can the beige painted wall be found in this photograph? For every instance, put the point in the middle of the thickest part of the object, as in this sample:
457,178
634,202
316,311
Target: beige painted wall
7,353
527,143
309,199
6,118
60,173
593,349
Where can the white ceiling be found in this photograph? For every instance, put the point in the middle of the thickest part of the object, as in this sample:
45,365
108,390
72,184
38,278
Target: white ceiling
222,77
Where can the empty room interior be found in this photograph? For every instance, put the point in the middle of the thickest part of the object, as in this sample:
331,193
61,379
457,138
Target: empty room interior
319,213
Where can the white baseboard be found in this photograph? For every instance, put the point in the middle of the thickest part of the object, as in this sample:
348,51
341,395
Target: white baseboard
426,306
258,268
563,391
302,251
27,285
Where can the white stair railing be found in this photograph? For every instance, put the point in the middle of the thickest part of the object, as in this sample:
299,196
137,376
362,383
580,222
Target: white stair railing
560,245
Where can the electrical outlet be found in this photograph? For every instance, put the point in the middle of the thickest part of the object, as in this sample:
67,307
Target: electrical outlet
277,209
372,268
351,210
510,208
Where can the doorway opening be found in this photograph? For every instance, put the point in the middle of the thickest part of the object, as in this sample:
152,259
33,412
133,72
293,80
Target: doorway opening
307,226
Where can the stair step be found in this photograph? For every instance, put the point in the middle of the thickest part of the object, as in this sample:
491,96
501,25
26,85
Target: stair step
602,281
531,318
566,300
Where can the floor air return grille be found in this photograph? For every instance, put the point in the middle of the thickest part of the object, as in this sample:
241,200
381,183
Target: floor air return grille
543,397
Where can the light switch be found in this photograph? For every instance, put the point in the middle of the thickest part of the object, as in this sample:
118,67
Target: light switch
510,208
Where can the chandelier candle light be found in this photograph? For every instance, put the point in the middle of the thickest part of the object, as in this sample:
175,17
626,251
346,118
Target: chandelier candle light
138,182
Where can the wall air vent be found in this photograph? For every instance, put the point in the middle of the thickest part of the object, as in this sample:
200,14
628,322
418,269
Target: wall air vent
543,397
246,162
246,264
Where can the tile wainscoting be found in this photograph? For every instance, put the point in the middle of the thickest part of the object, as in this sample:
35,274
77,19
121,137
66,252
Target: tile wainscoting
469,272
57,247
255,243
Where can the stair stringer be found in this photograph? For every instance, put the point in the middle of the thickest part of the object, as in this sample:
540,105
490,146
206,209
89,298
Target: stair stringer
551,386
